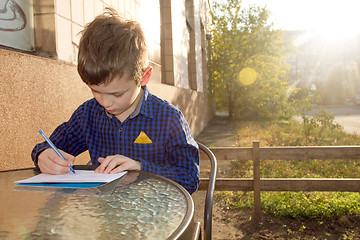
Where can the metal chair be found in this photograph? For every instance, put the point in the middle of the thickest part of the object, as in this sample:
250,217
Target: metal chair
209,194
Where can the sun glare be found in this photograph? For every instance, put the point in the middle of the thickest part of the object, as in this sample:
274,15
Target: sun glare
334,20
338,21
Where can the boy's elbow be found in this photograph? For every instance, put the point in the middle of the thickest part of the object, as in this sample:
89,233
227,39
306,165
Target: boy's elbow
191,188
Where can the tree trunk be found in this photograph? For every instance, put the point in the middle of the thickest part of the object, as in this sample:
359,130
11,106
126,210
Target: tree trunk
230,105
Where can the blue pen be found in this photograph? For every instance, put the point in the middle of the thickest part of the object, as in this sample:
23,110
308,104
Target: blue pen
54,147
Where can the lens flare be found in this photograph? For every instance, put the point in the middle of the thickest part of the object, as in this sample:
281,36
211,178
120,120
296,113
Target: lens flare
247,76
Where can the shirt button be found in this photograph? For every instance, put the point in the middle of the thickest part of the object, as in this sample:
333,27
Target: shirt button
120,129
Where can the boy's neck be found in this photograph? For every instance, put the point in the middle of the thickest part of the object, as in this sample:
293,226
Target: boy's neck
126,113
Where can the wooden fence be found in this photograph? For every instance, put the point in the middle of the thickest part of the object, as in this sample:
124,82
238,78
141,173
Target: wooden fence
257,184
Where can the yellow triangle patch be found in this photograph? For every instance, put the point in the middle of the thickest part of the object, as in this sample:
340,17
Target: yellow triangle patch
143,138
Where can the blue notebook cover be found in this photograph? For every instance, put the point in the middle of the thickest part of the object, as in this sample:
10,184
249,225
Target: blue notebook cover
63,185
82,179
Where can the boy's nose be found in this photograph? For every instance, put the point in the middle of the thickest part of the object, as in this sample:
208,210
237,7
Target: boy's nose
105,101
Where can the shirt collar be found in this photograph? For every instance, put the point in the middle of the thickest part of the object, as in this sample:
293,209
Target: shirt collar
147,110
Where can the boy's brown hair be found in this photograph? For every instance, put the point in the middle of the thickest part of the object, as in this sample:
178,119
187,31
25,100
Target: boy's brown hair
111,47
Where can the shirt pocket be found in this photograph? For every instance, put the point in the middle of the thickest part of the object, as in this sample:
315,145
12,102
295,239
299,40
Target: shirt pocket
154,152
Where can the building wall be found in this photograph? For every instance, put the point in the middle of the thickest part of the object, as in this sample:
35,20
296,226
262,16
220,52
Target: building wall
180,41
42,89
35,93
198,46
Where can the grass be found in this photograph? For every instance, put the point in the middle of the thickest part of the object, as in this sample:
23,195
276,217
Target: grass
290,133
297,205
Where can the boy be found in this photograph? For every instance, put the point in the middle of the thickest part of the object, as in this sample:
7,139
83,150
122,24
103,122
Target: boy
124,127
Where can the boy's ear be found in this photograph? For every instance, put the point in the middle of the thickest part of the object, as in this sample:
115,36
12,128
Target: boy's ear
146,78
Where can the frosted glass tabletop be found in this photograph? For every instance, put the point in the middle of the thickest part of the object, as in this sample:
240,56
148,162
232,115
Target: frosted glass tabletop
139,205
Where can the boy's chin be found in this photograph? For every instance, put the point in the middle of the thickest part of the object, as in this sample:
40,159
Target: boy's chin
111,111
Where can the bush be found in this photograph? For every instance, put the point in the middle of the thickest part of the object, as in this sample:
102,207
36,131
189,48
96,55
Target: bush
318,130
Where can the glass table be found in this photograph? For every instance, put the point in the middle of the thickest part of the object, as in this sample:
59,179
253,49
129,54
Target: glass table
139,205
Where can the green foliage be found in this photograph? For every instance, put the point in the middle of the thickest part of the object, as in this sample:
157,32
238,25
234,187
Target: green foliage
297,205
244,38
303,99
321,130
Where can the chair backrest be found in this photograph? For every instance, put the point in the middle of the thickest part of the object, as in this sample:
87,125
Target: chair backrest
209,192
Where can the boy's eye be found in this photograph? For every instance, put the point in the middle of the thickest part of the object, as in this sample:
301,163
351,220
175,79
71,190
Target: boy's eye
118,95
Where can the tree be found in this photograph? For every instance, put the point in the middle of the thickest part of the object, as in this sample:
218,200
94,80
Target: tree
243,39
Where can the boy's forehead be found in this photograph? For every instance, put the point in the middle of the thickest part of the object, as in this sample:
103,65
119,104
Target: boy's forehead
117,84
116,78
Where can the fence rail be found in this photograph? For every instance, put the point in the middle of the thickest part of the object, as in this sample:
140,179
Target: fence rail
257,184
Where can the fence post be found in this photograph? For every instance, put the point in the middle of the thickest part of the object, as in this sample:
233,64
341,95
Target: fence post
256,181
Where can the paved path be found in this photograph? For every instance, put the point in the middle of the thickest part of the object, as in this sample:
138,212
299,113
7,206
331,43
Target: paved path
347,116
221,133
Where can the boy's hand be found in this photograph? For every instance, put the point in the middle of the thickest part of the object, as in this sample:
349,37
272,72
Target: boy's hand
116,164
49,162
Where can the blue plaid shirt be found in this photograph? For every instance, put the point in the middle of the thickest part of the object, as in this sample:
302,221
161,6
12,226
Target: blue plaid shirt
173,152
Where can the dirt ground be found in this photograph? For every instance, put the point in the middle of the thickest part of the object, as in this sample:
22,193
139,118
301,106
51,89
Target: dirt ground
231,224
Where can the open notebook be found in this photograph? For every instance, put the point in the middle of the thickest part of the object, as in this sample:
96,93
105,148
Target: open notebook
81,179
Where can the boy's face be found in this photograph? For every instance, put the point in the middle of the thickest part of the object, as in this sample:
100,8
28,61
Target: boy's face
116,96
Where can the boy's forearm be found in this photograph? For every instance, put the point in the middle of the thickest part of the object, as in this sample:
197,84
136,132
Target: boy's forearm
187,179
183,168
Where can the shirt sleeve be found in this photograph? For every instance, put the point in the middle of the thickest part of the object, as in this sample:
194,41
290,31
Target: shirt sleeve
181,150
68,137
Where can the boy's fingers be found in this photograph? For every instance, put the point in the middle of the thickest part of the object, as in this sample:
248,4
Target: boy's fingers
100,160
118,169
59,165
103,164
58,160
43,167
51,167
115,163
49,162
70,159
59,169
126,164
